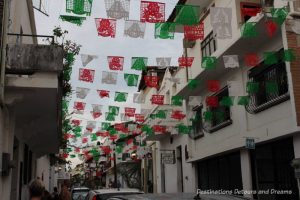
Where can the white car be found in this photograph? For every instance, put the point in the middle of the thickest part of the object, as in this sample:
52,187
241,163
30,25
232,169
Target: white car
104,194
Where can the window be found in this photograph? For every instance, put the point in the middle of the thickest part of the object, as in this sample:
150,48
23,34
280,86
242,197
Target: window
197,128
264,74
208,46
220,114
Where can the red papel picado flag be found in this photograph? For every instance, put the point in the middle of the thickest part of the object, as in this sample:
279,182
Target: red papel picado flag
139,118
194,32
103,93
152,12
106,149
157,99
185,61
129,112
151,81
86,75
76,122
119,127
177,114
115,62
79,106
212,101
106,27
159,128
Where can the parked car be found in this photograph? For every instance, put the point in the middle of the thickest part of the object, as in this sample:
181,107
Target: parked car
177,196
104,194
79,193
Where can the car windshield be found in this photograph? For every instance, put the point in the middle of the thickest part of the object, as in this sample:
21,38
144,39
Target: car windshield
79,194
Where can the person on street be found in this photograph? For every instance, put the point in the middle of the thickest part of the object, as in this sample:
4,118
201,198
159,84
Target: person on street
55,194
65,193
36,190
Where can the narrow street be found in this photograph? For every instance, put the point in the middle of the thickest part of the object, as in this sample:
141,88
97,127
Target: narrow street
150,99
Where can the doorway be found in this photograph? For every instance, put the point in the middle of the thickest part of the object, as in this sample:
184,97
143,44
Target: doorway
179,169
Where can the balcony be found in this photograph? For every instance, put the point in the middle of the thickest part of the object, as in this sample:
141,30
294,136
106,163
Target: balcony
29,58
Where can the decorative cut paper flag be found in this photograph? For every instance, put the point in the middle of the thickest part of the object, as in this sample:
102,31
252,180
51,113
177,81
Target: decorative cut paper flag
177,114
139,118
139,98
117,9
249,30
132,127
251,60
161,114
145,111
103,93
81,93
148,130
289,55
119,127
93,137
152,12
157,99
279,15
115,63
219,116
91,125
129,112
86,75
72,19
212,101
234,88
227,101
79,107
96,110
84,140
194,101
121,96
131,79
271,27
177,100
243,100
109,116
272,87
79,7
163,62
139,63
187,14
105,125
195,32
251,12
124,118
76,122
113,110
252,87
208,116
231,61
221,22
213,85
109,77
86,59
151,81
106,149
185,61
165,30
209,62
193,83
134,29
106,27
159,129
182,129
270,58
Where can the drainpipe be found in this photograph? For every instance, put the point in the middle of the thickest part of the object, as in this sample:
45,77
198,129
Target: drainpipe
3,50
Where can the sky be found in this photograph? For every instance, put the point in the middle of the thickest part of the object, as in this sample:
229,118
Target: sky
86,35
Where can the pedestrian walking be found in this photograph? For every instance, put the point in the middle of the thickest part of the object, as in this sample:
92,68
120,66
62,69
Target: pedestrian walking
36,190
65,193
55,195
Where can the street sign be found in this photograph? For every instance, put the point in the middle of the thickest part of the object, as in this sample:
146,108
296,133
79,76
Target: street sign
250,143
168,158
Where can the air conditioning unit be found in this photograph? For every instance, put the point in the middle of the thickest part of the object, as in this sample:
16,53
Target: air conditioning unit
188,43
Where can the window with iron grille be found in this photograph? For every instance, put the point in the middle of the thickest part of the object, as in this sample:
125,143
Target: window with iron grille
208,45
197,125
264,74
220,115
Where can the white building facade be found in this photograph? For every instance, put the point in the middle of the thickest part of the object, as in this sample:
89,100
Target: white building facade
214,154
